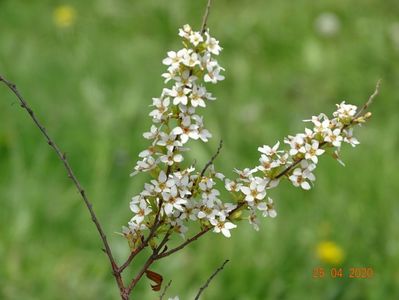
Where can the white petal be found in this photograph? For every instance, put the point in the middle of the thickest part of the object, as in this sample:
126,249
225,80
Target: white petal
229,225
305,185
162,177
226,232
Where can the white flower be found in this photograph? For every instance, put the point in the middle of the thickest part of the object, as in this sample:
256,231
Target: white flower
213,74
231,185
267,163
256,190
269,211
195,38
203,133
179,93
345,111
169,141
246,174
334,137
173,59
186,78
206,212
312,151
174,298
300,175
147,152
309,134
283,159
191,59
185,31
161,108
320,126
135,228
147,164
190,211
197,96
152,134
140,211
172,201
297,144
269,151
163,184
186,130
170,74
171,157
223,226
212,44
349,138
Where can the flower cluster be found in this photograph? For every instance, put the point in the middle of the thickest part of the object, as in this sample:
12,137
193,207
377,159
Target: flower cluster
295,163
174,115
178,195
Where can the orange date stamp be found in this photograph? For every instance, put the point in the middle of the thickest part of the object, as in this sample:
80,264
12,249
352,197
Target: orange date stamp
353,273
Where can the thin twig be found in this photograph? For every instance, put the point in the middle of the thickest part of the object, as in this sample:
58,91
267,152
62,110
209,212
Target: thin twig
210,162
206,15
165,289
182,245
61,155
210,279
370,100
140,274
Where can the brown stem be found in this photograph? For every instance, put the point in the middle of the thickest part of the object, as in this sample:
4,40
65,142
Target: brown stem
62,156
206,15
165,289
140,274
210,162
181,246
201,290
370,100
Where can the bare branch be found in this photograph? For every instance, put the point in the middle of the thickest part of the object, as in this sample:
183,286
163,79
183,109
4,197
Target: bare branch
181,246
165,289
206,15
62,156
140,274
201,290
370,100
210,162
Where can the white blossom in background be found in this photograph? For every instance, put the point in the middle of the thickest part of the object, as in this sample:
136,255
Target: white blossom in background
178,194
328,24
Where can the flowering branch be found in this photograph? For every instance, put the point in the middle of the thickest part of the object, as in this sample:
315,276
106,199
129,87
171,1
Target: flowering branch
178,195
201,290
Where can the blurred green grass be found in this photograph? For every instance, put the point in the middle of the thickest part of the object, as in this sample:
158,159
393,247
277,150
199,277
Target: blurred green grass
91,85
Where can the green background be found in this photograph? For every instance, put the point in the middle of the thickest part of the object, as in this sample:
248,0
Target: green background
91,85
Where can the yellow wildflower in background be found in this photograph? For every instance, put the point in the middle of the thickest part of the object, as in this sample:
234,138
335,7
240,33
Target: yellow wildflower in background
329,252
64,16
